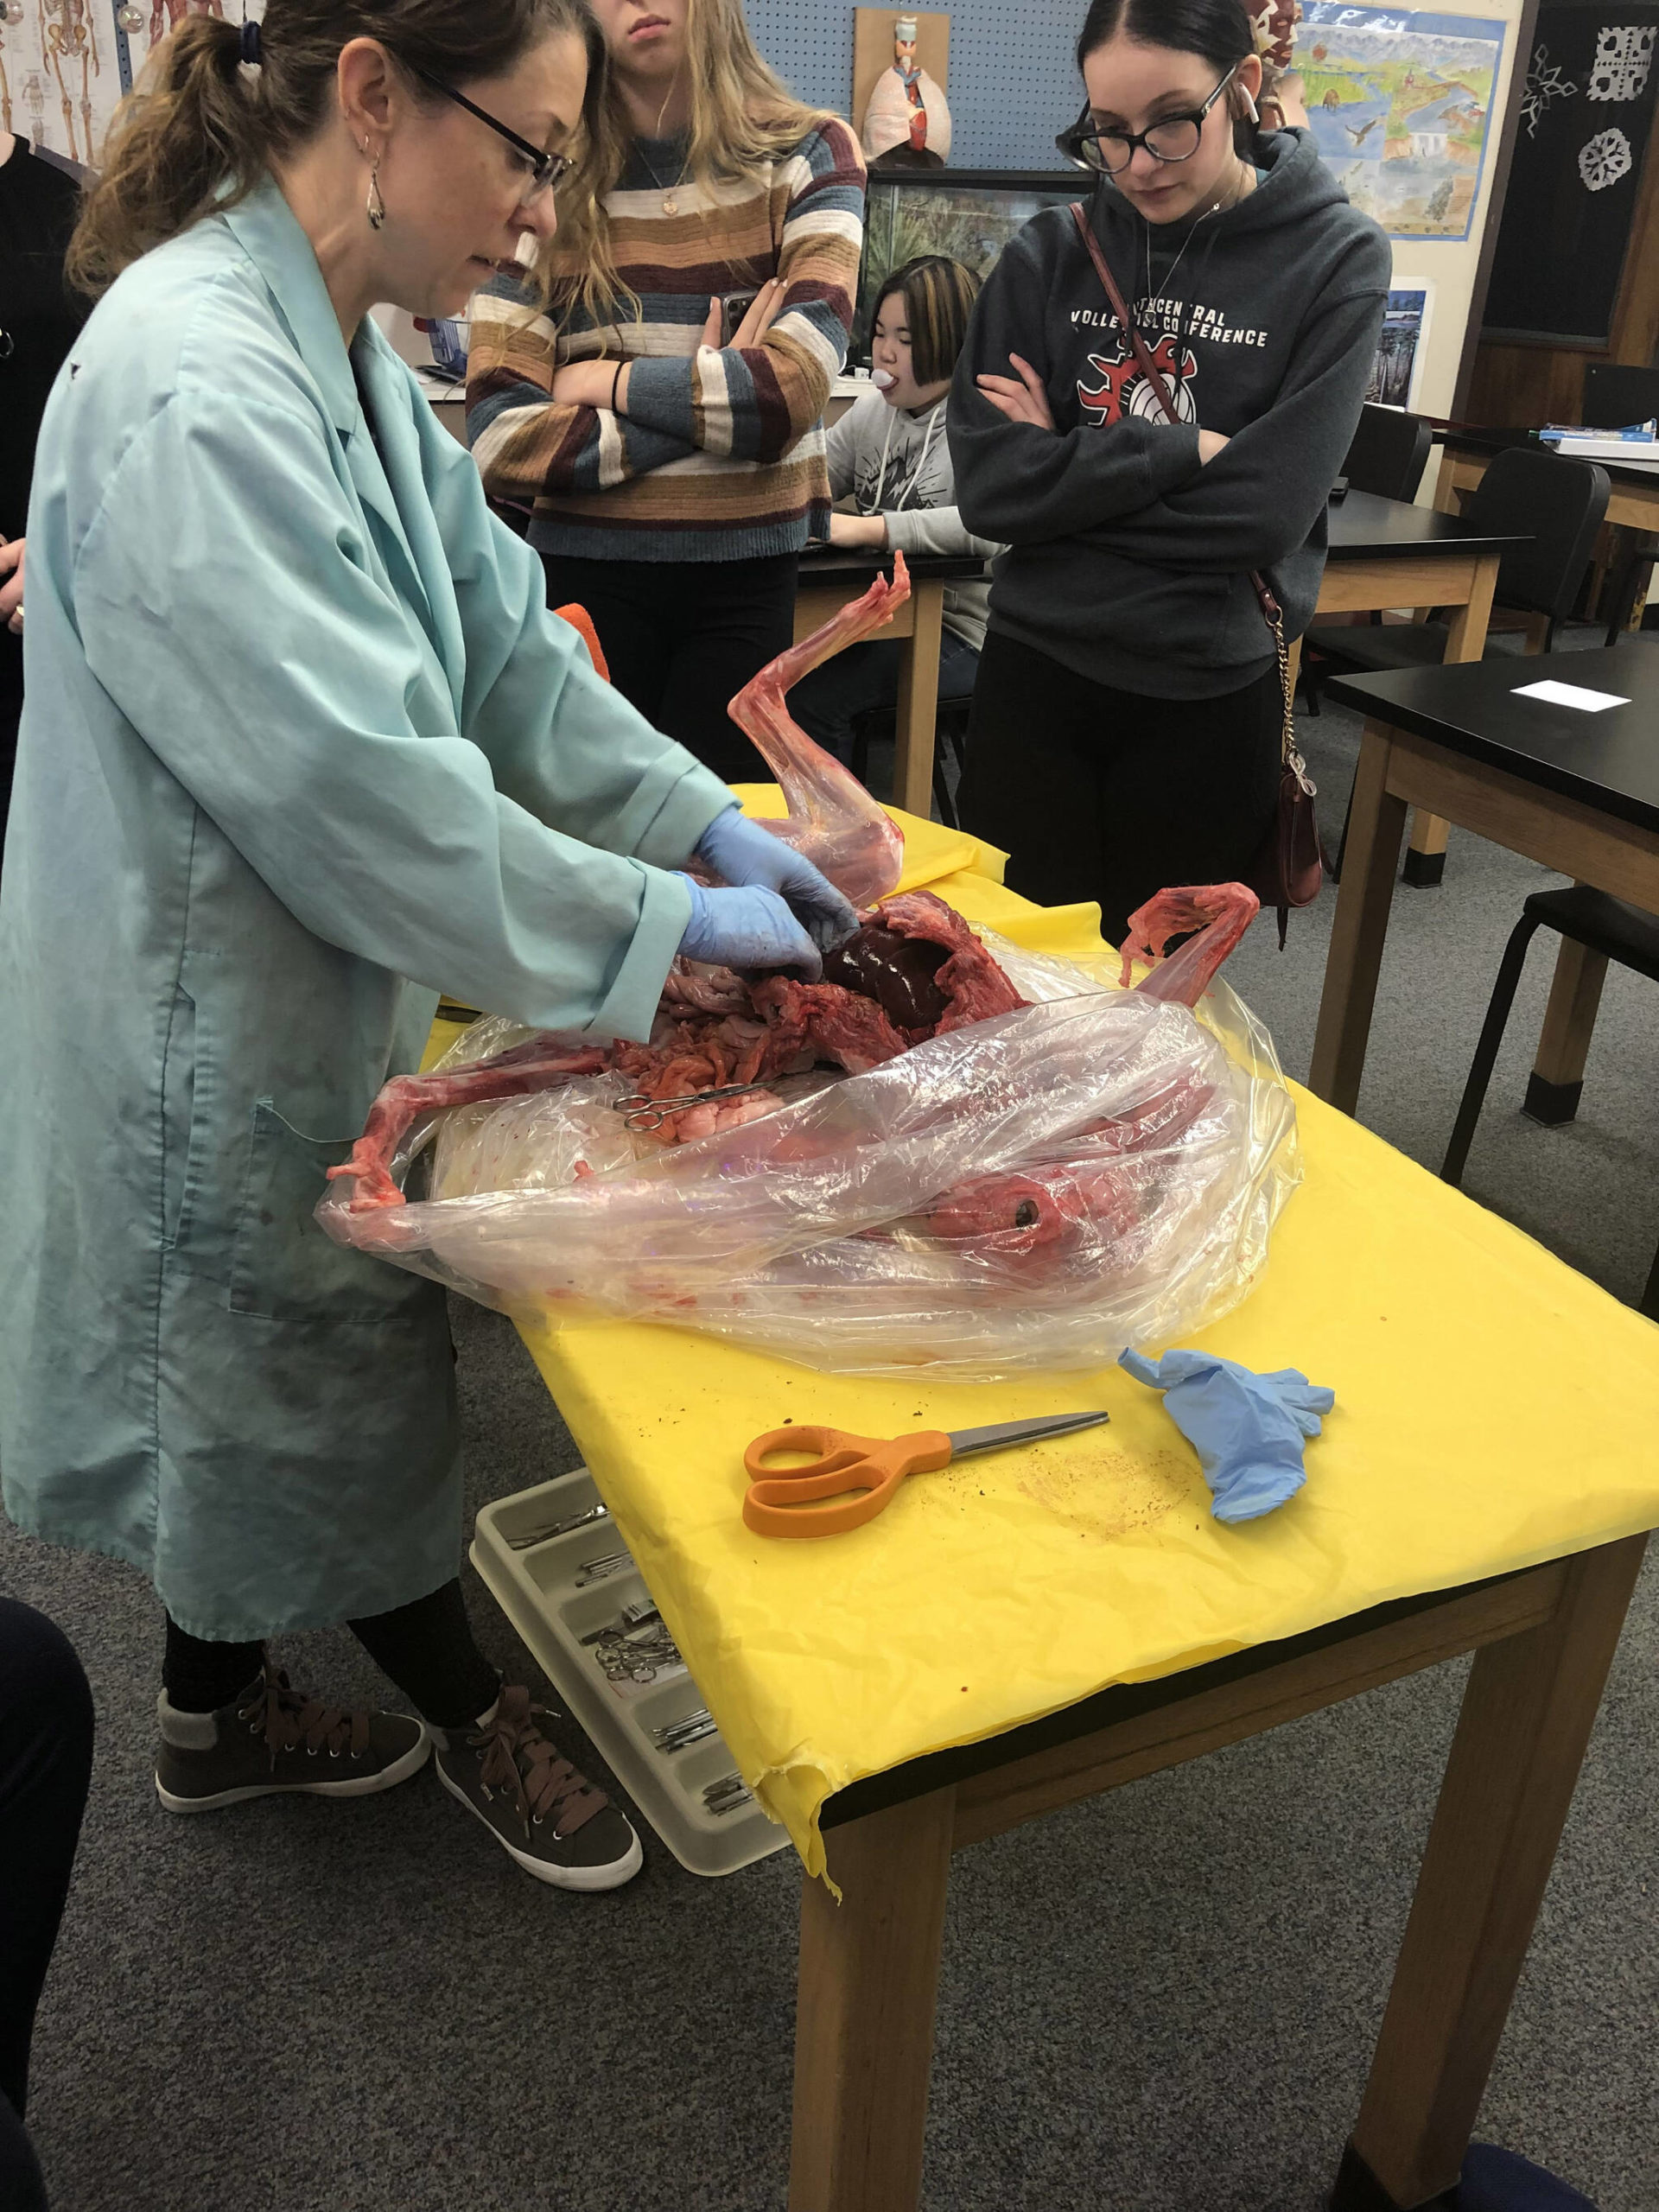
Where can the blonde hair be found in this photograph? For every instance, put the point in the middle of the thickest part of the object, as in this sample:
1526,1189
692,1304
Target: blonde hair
742,116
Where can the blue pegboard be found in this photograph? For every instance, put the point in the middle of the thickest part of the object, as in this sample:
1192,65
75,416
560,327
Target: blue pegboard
1013,84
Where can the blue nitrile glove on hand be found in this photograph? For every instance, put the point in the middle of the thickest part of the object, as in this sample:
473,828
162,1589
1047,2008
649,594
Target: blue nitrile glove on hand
741,852
746,928
1248,1429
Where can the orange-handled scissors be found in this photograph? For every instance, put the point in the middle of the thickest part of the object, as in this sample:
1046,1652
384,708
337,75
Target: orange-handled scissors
860,1474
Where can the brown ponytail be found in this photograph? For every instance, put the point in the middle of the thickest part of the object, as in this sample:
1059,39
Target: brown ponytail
198,130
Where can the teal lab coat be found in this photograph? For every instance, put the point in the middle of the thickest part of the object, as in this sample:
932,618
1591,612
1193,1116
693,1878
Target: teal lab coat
302,746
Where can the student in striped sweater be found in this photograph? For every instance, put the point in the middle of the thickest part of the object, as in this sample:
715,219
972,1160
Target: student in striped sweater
658,413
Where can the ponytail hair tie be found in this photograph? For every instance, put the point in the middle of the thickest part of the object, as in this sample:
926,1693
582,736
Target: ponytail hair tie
251,53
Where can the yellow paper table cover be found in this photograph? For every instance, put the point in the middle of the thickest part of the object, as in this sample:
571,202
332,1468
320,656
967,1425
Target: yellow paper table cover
1494,1409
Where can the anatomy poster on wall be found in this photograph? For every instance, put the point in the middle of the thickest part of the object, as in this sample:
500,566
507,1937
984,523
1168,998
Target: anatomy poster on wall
1400,349
64,63
1399,103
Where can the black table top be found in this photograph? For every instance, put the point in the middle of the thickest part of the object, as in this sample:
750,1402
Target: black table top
1490,441
1364,527
820,561
1609,760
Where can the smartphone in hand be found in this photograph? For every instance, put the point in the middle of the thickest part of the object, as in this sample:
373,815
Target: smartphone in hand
734,305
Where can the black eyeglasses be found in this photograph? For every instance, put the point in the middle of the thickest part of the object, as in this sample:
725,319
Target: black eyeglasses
1171,139
546,168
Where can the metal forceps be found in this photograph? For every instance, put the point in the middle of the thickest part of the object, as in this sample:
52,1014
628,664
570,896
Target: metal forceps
640,1112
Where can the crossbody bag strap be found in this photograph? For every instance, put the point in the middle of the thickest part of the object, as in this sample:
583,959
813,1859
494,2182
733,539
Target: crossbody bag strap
1272,612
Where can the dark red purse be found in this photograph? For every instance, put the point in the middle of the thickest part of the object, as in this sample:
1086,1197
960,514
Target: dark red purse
1289,866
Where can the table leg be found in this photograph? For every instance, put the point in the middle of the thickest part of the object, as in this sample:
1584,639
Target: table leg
864,2016
1527,1716
918,703
1375,823
1556,1083
1426,860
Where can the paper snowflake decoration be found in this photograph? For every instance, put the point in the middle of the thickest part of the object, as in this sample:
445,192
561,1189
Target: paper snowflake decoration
1624,57
1603,160
1545,84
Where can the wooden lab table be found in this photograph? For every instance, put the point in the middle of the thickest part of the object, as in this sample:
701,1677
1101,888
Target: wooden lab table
1575,792
1383,554
995,1649
829,579
869,1966
1466,454
1387,554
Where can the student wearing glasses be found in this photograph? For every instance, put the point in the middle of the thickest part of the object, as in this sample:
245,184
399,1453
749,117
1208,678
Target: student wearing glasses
1125,606
652,398
302,744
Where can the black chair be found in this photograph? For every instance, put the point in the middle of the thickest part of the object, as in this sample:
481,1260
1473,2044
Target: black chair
1555,506
1389,453
1591,919
1615,397
950,730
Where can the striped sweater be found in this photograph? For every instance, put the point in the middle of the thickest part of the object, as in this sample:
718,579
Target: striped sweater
721,454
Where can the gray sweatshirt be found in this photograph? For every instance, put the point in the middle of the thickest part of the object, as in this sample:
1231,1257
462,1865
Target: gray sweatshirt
1131,560
891,462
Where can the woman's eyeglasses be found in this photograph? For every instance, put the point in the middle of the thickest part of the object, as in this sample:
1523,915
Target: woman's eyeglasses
545,168
1171,139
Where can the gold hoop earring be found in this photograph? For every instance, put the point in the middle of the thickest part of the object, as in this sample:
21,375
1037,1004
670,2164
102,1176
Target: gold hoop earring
376,207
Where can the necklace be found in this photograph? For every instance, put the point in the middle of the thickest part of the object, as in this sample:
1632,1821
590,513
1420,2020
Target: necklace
671,205
1246,182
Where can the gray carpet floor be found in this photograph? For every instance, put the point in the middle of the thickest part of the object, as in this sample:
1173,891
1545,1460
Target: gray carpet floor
1163,2000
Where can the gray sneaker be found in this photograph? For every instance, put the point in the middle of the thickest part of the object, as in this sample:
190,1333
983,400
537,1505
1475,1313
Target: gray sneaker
539,1810
271,1738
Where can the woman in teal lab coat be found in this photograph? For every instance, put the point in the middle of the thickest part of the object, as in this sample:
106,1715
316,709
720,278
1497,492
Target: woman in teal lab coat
302,745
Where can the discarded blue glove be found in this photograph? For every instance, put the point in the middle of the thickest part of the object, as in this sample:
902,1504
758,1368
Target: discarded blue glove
746,928
1248,1429
741,852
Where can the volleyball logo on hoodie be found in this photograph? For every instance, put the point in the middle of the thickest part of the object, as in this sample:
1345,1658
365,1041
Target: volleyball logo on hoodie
1120,389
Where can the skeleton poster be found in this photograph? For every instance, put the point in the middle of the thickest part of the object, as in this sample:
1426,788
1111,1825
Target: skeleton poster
1399,104
64,63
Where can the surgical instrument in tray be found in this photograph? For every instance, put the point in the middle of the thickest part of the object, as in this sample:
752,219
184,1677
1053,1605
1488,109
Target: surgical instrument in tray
679,1734
600,1570
544,1531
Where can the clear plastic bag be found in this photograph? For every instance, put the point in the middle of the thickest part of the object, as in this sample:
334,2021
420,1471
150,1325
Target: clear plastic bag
1099,1169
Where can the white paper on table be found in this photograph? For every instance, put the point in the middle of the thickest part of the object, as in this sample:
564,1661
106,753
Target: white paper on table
1569,694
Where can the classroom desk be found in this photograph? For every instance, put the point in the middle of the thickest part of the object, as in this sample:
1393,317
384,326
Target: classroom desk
829,579
997,1647
1387,554
1575,791
1465,454
869,1966
1383,554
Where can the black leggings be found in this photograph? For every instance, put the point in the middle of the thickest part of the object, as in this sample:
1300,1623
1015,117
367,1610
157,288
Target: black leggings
683,638
46,1763
1097,793
425,1647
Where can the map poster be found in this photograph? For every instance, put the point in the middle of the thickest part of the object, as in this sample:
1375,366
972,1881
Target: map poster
1399,104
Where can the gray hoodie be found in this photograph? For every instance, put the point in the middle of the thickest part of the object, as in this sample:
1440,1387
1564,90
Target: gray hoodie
891,462
1130,560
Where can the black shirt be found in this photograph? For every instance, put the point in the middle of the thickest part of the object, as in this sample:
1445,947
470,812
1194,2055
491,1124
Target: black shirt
39,316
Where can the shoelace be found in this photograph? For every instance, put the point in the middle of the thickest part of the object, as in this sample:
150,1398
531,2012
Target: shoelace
519,1759
290,1720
